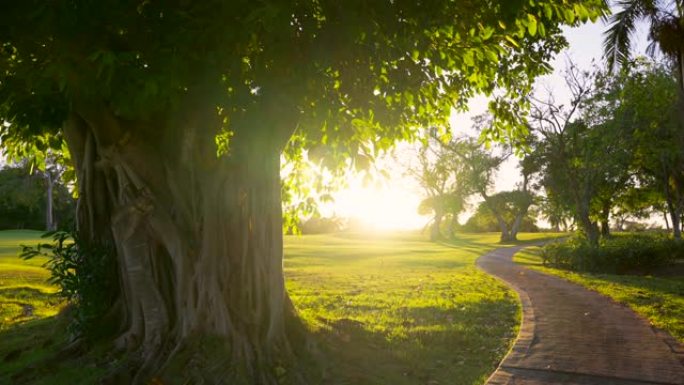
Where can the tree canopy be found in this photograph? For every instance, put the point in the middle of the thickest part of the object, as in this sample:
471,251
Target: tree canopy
614,150
338,74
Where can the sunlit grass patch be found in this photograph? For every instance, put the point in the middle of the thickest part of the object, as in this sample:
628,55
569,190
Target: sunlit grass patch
396,309
24,292
659,299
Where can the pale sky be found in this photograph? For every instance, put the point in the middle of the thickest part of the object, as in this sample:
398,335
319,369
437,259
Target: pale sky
393,203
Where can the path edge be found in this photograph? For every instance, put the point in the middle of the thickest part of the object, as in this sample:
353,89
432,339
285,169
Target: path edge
525,338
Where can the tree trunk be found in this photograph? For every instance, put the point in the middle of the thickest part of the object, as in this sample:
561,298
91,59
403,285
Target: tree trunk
605,219
435,229
674,210
453,225
675,216
680,71
589,227
516,225
49,211
591,231
198,240
505,233
667,222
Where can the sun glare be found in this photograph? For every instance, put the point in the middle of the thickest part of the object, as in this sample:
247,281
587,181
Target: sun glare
380,207
387,203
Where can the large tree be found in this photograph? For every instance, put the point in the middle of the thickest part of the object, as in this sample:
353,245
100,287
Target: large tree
176,115
444,178
481,165
649,107
585,151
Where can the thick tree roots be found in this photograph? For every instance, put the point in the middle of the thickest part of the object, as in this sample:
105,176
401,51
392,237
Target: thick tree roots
198,241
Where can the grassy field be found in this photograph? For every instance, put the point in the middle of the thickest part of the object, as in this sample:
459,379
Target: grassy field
24,294
659,299
383,309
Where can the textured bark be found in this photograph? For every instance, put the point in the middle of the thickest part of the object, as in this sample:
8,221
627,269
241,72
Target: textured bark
505,233
583,198
198,237
588,226
516,224
675,216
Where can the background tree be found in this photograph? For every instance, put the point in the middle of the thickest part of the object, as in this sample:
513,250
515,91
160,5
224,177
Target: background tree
484,220
555,210
434,176
508,207
617,149
649,105
585,153
176,115
440,174
23,200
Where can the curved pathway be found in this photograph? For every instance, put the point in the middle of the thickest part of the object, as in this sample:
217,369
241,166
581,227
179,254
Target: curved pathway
571,335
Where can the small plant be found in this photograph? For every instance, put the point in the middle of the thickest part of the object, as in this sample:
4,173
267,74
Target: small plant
619,255
83,273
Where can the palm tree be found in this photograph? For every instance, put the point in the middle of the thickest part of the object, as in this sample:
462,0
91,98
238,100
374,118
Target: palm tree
666,31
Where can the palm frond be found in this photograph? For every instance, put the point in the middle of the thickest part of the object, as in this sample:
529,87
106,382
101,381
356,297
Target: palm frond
618,37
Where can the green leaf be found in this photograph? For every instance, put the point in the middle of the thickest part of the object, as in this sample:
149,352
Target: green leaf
513,42
569,16
531,24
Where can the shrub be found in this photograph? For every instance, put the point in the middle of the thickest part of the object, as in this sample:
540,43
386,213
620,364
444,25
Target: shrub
85,275
634,253
318,225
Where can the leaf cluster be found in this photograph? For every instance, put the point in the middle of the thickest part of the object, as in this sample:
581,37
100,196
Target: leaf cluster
83,274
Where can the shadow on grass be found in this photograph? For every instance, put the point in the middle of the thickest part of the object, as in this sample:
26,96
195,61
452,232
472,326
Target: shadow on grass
647,284
25,347
435,346
25,293
484,244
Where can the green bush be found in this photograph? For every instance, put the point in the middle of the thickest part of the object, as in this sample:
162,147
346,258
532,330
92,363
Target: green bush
83,274
633,253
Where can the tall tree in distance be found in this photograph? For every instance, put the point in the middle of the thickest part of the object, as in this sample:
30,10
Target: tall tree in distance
444,176
435,178
649,106
176,115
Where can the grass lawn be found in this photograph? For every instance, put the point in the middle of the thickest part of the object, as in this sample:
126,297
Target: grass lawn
383,309
24,294
659,299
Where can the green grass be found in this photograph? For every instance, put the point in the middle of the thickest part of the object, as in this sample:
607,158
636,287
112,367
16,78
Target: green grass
399,310
383,309
659,299
24,294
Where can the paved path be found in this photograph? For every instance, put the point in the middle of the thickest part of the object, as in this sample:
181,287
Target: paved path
571,335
